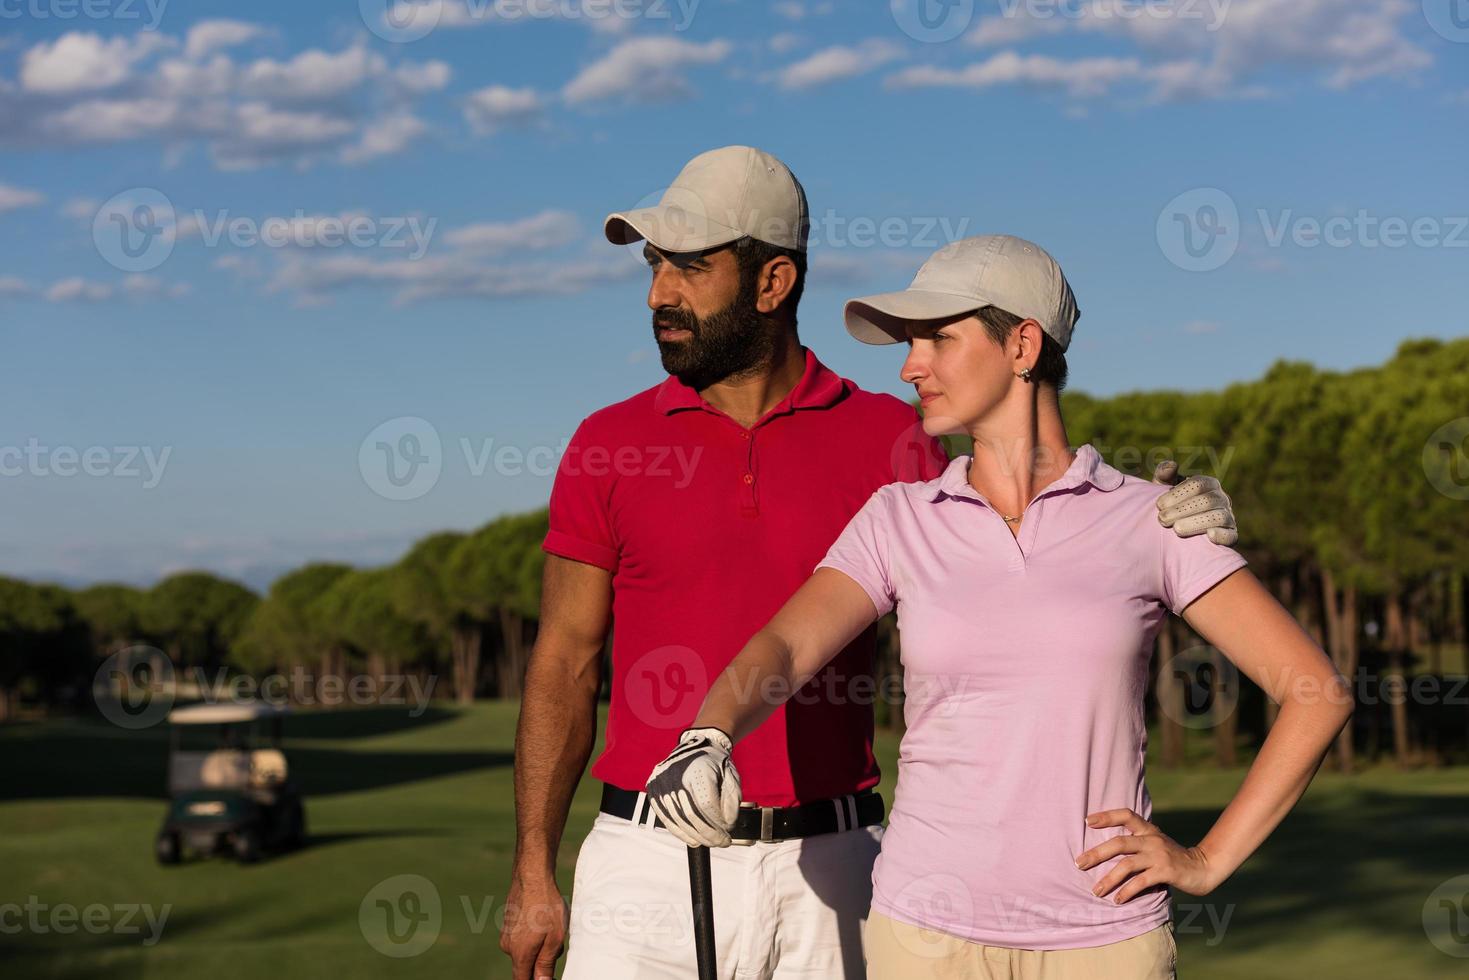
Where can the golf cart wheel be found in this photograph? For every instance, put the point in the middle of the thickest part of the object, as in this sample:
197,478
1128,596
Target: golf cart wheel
247,846
166,848
296,828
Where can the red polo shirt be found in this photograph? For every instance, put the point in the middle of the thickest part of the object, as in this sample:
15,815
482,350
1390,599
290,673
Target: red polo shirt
708,528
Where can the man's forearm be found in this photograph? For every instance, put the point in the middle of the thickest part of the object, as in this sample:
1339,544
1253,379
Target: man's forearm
553,740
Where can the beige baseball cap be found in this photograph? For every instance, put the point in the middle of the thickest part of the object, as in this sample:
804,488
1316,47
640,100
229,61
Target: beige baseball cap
1018,276
720,196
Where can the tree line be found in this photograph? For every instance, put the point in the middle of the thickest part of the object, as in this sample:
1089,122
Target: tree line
1352,488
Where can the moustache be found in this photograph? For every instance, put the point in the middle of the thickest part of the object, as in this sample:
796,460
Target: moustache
673,318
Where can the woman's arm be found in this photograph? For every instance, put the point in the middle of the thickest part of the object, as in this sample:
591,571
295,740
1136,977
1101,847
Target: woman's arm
812,627
1241,619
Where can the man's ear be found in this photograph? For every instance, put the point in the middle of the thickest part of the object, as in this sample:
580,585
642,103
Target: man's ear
775,283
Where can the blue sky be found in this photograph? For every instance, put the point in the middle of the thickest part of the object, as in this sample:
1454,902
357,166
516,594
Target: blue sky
213,394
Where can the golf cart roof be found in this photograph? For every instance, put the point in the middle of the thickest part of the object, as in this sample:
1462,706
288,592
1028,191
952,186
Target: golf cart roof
224,714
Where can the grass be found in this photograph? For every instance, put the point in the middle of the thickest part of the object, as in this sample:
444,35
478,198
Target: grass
1339,891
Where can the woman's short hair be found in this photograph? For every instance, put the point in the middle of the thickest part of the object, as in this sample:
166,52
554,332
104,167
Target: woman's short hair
1049,367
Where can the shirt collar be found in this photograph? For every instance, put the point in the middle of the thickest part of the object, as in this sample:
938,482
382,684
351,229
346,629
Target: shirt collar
819,387
1087,467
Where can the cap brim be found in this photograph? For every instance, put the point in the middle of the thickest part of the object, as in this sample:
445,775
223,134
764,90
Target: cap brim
882,319
670,228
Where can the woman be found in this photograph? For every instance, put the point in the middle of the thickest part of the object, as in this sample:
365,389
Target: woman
1030,582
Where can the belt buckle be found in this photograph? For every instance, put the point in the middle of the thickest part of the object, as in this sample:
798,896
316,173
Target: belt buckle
767,826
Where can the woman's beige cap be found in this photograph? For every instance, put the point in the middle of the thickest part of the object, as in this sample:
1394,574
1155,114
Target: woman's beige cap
721,196
988,270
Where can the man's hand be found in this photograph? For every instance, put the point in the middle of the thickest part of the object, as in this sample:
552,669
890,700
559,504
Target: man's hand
1198,505
534,933
696,791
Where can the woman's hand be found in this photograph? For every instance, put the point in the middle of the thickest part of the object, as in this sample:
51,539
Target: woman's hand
1153,858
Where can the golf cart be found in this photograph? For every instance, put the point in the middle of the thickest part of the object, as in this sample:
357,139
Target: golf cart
228,784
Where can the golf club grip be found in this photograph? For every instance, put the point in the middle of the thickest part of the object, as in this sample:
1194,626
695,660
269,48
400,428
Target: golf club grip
701,889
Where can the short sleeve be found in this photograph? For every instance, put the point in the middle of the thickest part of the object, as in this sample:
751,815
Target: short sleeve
917,456
580,509
861,553
1193,566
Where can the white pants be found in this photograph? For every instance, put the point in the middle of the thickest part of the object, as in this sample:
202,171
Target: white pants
782,910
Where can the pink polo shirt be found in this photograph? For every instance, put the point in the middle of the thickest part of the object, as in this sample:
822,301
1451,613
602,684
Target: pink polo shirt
1026,667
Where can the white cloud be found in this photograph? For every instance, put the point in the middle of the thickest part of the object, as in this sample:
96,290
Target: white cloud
208,36
80,208
785,42
1085,77
489,108
78,290
549,229
790,9
84,62
423,76
262,133
385,136
417,17
140,286
311,75
835,63
1222,48
13,287
644,69
14,198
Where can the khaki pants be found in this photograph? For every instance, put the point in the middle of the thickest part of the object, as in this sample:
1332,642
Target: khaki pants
897,951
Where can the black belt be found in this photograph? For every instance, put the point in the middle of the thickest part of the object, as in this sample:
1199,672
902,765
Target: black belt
764,824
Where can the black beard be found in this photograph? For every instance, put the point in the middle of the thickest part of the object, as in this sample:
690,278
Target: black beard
721,345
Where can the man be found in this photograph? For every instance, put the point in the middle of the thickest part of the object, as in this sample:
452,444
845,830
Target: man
688,514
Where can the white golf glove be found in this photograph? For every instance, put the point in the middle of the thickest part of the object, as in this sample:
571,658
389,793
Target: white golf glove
696,791
1198,505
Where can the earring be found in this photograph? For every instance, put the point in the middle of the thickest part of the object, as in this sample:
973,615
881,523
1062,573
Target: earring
1025,374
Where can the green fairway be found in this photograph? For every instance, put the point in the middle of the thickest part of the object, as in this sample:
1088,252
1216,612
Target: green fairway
1338,892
